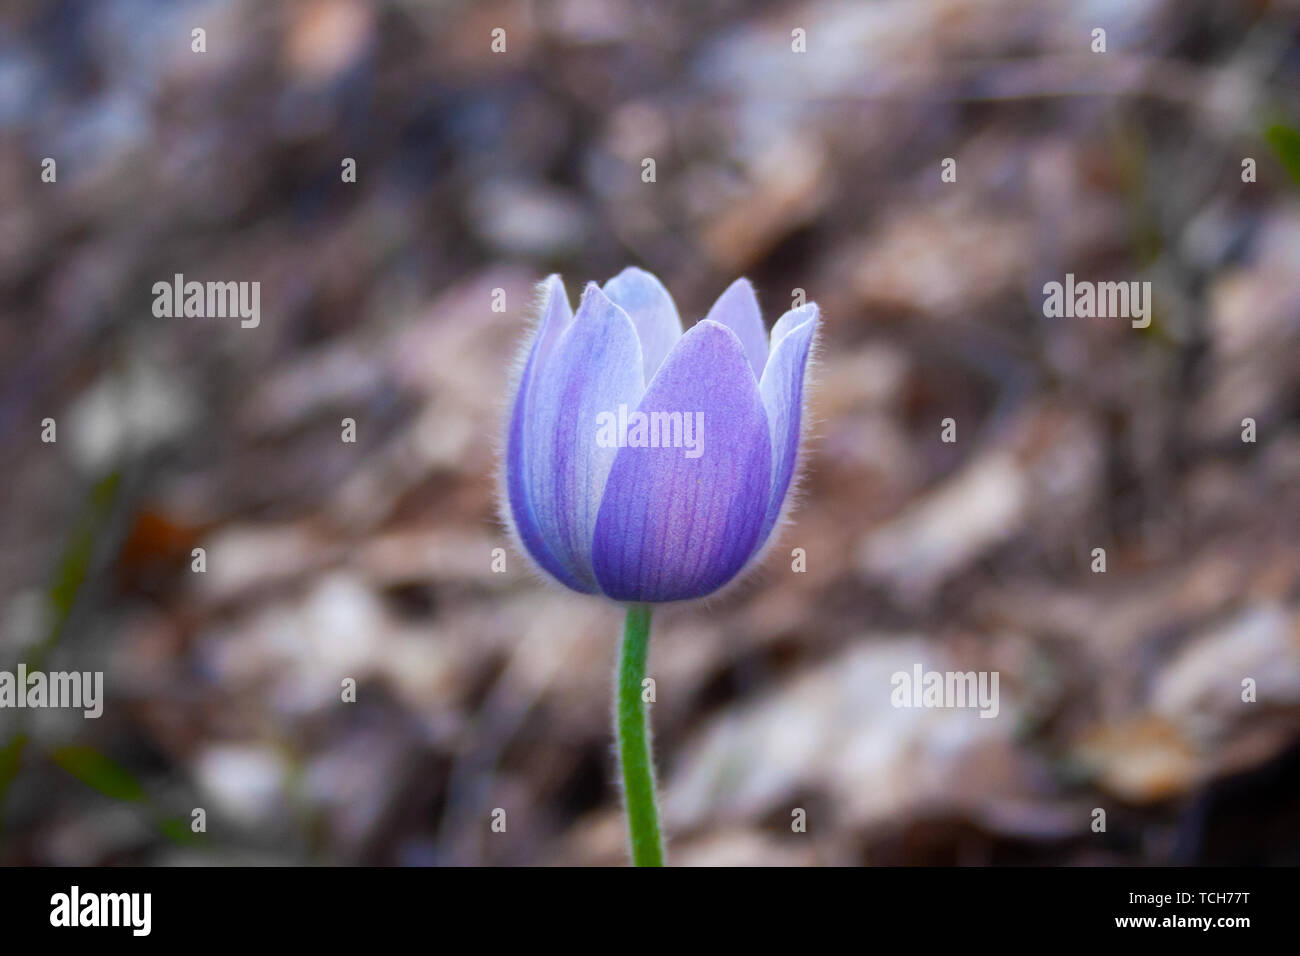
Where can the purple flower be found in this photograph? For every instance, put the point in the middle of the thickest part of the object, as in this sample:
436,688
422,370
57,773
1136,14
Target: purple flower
643,463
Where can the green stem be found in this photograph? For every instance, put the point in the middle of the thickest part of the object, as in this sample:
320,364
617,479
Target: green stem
634,742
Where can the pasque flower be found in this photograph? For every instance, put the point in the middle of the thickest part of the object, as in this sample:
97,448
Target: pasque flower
641,518
674,507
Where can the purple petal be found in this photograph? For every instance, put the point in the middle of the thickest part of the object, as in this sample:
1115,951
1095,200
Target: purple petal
737,309
782,389
557,470
791,320
673,527
555,316
644,298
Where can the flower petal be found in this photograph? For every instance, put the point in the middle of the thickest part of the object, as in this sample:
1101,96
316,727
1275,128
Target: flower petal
737,309
559,471
782,390
790,321
673,527
555,316
647,302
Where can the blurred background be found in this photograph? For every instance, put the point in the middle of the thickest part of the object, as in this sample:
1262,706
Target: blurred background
819,171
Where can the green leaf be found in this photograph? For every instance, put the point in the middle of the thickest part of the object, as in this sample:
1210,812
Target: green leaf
178,831
77,554
1286,143
11,758
95,770
11,761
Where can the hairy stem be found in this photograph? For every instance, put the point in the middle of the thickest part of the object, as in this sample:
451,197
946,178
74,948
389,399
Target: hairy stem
634,741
